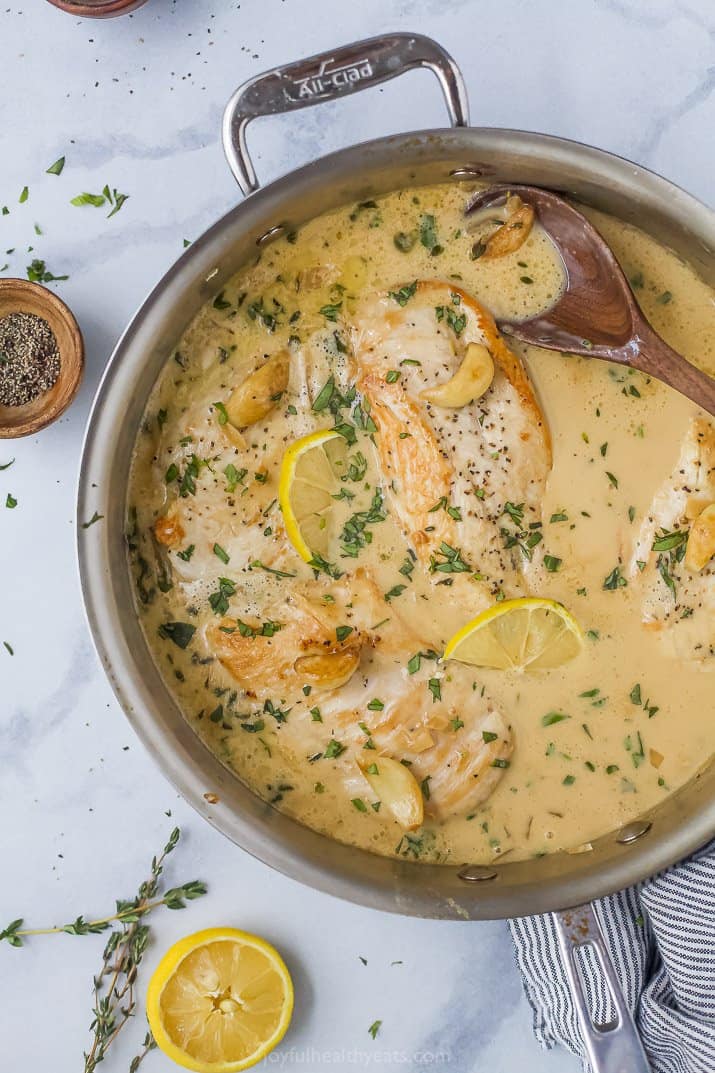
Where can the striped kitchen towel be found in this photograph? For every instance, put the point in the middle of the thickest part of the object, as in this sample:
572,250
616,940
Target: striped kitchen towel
661,935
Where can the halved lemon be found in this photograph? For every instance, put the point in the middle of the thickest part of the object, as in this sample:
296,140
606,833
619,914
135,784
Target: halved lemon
527,634
310,476
219,1001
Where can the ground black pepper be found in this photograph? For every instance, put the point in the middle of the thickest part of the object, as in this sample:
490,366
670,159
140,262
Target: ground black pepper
29,358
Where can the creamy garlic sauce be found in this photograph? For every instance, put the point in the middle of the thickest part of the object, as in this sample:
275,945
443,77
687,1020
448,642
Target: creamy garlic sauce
616,438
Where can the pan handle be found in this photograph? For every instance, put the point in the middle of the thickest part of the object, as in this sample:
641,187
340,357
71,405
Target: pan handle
611,1048
330,75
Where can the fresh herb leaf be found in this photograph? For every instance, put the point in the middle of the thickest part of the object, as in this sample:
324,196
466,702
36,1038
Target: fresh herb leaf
615,580
330,312
334,749
551,718
218,600
404,294
221,554
180,633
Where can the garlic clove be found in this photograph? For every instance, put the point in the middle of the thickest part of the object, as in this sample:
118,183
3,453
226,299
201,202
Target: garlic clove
257,395
701,540
328,670
513,233
397,789
473,377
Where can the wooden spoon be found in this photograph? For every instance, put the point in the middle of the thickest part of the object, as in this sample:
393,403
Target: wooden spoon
597,315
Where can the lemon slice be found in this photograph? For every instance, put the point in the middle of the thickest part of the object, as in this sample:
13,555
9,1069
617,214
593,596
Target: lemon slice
309,478
219,1001
529,634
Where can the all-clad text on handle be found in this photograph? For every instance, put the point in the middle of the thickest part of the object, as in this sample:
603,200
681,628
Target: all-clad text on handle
330,75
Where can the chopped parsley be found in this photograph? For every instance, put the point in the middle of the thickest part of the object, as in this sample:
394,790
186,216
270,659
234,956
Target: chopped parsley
234,477
355,534
614,580
457,322
334,749
221,553
219,600
256,564
180,633
428,234
448,560
550,718
330,312
404,294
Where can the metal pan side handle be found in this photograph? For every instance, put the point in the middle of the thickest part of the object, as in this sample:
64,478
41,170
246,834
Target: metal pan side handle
330,75
613,1048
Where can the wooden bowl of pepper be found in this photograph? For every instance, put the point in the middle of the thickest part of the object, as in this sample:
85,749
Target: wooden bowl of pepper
98,9
41,357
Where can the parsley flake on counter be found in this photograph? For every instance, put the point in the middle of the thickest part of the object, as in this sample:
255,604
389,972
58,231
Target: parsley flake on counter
96,200
56,168
37,272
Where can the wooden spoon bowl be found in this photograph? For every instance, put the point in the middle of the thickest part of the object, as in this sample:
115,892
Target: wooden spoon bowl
596,315
21,296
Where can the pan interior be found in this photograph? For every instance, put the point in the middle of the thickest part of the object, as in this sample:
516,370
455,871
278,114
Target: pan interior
678,826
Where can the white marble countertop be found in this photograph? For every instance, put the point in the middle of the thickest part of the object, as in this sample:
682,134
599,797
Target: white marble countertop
136,103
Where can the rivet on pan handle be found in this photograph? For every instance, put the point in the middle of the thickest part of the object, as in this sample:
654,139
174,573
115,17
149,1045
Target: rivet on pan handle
611,1048
328,76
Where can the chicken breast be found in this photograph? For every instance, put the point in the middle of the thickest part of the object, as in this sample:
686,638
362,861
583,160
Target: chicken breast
363,693
222,481
678,599
469,477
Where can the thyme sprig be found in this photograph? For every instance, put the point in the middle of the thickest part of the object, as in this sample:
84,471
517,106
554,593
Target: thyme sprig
114,1002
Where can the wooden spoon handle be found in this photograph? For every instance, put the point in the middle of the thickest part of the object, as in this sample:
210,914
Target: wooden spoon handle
658,359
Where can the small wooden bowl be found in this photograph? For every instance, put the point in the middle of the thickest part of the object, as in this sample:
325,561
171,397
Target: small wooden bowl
98,9
21,296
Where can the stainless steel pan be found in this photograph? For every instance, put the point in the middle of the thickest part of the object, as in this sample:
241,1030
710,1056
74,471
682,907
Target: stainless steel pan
677,827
